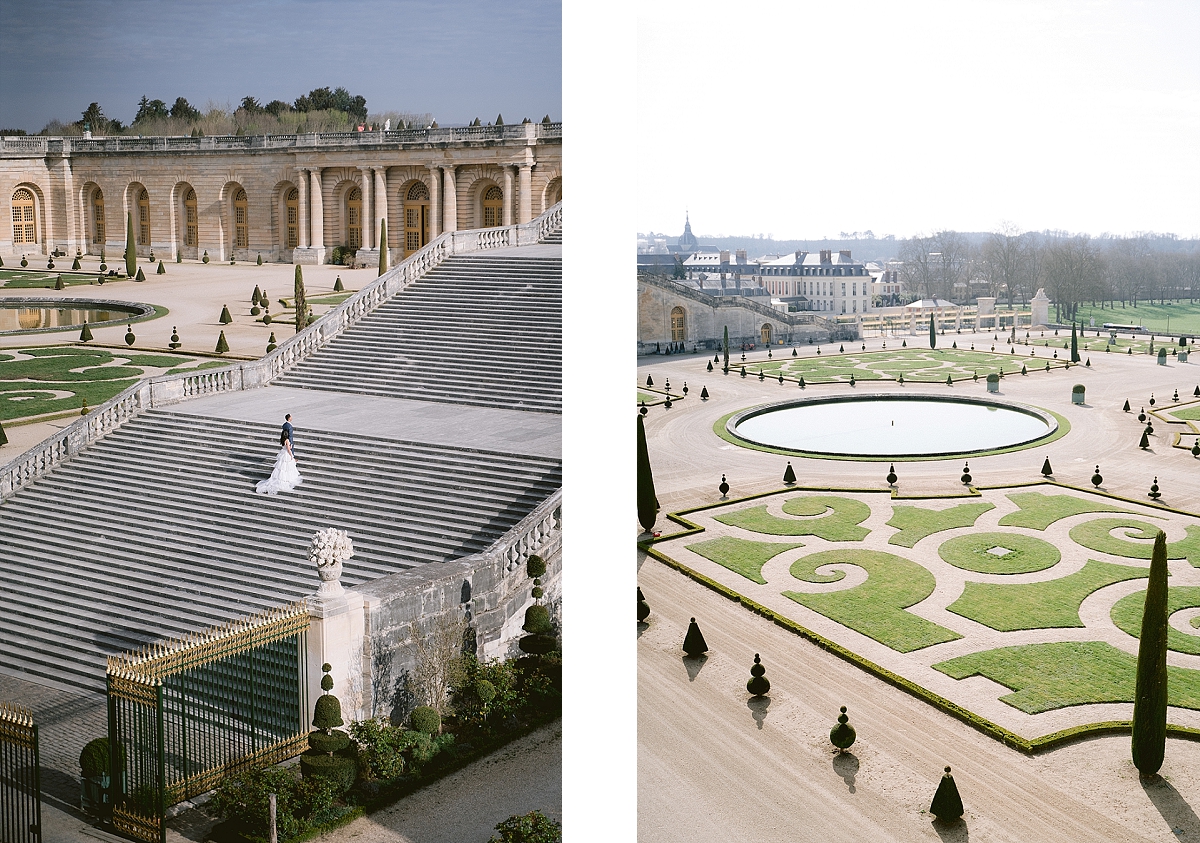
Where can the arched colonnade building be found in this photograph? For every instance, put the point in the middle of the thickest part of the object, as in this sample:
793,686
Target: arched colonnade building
290,198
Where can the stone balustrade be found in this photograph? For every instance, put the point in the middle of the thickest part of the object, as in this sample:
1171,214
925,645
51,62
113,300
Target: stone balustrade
24,146
172,389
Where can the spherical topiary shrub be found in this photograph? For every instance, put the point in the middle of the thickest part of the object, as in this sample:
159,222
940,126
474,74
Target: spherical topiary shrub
1077,393
94,759
330,754
130,339
425,719
205,258
535,566
842,735
758,683
271,343
174,343
537,620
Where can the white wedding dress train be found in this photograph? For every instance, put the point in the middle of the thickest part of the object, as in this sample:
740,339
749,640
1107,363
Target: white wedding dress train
284,477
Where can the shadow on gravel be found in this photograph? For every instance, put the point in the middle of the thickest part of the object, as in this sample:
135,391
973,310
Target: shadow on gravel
845,764
693,666
951,832
1173,807
758,709
642,627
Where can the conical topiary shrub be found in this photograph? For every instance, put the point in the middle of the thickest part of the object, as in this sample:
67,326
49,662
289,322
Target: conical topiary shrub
330,755
758,684
337,285
647,500
162,270
259,259
1126,407
643,606
225,317
141,276
179,257
58,283
704,393
85,334
789,475
947,805
256,296
1145,443
74,265
130,339
222,345
842,735
271,346
693,642
1150,690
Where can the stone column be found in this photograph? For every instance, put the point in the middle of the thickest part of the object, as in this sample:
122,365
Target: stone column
302,222
450,203
508,195
524,194
381,202
435,203
368,218
318,211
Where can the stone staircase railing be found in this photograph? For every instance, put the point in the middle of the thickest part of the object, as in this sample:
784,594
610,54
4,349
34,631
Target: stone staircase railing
172,389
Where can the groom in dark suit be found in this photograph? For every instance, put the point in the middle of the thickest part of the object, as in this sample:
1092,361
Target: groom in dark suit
290,431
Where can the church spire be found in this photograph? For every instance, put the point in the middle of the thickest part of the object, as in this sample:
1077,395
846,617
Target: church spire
688,240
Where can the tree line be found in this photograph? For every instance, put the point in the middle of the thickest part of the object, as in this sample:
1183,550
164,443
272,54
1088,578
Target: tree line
1072,268
320,110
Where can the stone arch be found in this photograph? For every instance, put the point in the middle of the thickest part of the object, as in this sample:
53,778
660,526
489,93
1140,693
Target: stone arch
344,193
285,204
137,203
28,219
488,202
416,215
765,333
552,195
185,221
95,217
234,222
678,324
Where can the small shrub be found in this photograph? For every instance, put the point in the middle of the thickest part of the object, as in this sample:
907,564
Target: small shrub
58,283
141,276
381,748
85,334
161,269
534,827
225,317
535,566
1077,389
94,758
130,339
425,719
537,620
222,344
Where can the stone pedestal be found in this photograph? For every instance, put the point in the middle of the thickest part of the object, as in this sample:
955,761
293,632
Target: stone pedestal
1040,305
309,255
335,636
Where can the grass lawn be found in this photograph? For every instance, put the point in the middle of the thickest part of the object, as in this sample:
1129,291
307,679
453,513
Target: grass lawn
34,387
1097,535
915,522
1038,511
999,553
28,279
876,607
915,364
1184,318
1188,413
829,518
1127,615
741,555
1044,677
1006,607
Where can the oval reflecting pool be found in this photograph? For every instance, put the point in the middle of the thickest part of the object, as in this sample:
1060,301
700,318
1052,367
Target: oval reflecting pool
892,426
37,315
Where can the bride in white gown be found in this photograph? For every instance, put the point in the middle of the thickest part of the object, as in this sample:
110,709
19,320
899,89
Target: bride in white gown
285,476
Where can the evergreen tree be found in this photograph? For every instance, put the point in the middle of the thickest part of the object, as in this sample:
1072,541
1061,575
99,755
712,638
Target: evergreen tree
383,254
932,333
1074,344
130,249
647,501
725,345
300,303
1150,693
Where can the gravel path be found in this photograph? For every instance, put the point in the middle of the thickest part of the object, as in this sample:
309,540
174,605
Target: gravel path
464,807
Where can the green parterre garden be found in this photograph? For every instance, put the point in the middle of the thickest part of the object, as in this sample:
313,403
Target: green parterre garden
1037,588
38,381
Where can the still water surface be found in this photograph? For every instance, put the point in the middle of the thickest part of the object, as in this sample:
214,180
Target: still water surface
27,318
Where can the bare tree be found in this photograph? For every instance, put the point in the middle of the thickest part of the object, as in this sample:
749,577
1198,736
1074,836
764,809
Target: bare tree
1002,256
438,659
916,269
1072,264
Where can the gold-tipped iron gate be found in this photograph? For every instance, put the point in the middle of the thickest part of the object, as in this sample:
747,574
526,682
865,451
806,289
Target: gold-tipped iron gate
184,713
20,777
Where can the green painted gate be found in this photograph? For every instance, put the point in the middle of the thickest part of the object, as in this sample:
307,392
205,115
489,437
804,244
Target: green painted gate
20,777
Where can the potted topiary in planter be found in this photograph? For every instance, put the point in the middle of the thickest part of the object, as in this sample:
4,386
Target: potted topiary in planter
95,776
1077,394
993,382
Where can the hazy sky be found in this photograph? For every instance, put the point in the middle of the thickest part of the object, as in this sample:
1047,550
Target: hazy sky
456,59
808,119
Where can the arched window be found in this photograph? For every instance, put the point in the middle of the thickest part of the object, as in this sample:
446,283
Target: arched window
765,333
354,218
24,225
240,238
416,217
98,217
293,218
493,207
189,205
143,204
678,325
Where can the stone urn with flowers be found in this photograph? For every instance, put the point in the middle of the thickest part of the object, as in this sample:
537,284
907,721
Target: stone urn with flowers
328,549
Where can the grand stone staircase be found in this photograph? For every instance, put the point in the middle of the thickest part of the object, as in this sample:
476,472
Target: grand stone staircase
480,331
155,530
